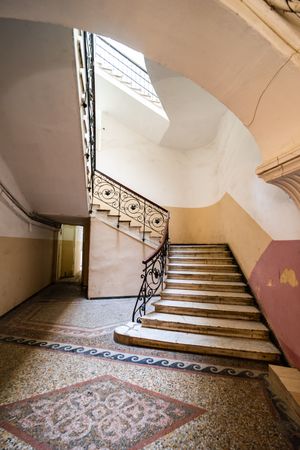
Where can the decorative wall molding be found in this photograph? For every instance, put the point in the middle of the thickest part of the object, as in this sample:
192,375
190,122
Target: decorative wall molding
284,172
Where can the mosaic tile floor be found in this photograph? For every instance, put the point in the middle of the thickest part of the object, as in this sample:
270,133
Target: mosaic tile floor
195,402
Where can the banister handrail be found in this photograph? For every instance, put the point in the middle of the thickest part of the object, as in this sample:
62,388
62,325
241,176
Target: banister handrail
158,249
149,215
131,190
152,276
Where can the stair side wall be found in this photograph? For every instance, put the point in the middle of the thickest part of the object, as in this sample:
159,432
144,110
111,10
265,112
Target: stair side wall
115,263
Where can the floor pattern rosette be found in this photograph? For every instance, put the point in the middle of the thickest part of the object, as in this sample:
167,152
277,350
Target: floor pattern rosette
101,413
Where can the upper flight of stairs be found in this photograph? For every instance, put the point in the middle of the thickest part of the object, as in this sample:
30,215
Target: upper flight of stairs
130,227
206,307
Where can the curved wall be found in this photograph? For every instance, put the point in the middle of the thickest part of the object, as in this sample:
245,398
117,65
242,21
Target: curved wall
214,196
241,52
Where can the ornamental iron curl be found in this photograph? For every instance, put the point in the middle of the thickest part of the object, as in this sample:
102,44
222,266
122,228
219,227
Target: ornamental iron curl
152,276
151,216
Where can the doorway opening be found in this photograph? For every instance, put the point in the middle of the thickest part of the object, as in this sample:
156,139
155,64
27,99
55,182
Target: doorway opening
69,253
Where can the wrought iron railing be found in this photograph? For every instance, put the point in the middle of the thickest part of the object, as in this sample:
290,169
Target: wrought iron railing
90,102
153,276
123,67
127,202
84,57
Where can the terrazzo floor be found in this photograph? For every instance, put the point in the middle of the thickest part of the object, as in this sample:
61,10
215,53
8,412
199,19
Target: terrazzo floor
142,398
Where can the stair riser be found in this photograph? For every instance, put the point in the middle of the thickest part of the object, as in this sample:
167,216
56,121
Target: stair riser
201,329
208,299
204,268
199,349
204,287
215,261
206,277
206,313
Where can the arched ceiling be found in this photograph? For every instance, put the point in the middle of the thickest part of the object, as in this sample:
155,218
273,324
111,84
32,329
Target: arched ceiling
226,46
194,114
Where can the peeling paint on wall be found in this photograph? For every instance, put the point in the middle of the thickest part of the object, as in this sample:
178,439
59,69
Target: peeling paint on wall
288,276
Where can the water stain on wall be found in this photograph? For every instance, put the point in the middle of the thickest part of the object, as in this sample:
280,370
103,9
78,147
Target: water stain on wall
288,276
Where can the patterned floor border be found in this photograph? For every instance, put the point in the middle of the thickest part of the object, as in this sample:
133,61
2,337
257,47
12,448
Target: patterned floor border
290,426
134,358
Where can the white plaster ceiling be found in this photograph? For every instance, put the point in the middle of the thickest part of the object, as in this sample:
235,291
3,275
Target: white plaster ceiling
194,114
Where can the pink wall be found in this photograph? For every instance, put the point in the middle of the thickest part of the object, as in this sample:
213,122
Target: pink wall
275,281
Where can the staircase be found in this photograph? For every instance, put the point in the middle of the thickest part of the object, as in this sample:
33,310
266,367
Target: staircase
126,225
206,307
125,71
124,209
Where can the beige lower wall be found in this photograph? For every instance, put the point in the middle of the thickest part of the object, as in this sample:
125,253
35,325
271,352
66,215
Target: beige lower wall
196,225
223,222
115,263
245,237
116,259
25,268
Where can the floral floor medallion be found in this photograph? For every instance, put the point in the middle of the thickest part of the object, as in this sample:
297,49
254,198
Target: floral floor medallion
102,413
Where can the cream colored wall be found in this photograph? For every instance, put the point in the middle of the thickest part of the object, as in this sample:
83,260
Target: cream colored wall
115,264
199,178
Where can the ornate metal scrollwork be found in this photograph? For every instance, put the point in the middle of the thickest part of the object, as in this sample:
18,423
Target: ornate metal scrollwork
152,276
89,103
152,217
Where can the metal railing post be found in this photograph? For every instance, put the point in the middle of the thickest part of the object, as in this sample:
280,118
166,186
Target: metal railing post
119,207
144,221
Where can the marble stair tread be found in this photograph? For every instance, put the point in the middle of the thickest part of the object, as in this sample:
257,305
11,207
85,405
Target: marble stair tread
203,259
246,328
207,306
208,284
210,296
134,334
203,267
208,252
193,274
198,246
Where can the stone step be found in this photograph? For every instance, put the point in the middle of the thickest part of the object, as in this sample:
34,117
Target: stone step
198,246
206,325
230,298
213,276
206,285
204,267
203,253
135,334
224,311
201,260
